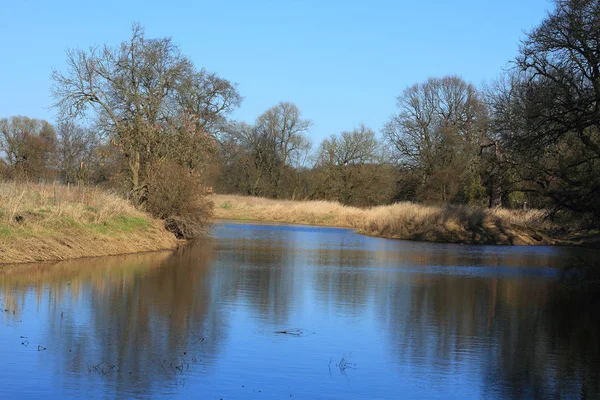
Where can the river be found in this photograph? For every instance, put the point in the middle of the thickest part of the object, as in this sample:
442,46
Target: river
296,312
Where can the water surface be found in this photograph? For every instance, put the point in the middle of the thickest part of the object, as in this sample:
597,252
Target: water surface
279,312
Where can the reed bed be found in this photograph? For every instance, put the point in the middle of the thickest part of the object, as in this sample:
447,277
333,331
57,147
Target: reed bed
454,224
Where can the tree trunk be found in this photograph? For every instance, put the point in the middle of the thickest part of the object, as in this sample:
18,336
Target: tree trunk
496,179
134,167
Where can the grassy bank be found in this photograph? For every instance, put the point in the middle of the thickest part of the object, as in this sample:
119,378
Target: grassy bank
42,222
453,224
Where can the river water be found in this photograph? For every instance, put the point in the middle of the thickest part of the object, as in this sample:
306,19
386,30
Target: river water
293,312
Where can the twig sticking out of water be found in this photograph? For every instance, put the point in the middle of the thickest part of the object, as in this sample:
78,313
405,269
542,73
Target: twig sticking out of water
294,332
345,363
199,339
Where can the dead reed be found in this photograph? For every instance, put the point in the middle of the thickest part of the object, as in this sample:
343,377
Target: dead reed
455,224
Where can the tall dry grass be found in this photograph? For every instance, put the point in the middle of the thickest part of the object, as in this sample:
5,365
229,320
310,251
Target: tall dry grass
457,224
44,221
81,203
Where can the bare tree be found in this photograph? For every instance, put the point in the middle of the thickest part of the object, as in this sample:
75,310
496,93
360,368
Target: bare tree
76,152
27,145
280,131
149,99
437,133
559,103
351,170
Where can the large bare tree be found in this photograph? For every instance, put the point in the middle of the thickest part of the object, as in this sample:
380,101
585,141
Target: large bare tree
437,133
558,102
149,98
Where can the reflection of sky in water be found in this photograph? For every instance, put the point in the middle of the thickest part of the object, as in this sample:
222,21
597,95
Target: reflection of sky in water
416,320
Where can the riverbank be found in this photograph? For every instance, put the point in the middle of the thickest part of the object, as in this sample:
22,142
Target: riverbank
409,221
42,222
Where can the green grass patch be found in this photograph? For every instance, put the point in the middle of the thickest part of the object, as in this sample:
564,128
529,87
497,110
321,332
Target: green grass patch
226,205
15,232
121,224
128,224
67,222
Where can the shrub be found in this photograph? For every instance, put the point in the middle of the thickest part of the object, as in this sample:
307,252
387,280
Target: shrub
179,198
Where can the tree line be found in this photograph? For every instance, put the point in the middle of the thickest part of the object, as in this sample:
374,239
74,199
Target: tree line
141,117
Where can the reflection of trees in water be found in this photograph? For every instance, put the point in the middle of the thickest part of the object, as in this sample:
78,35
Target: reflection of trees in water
559,356
145,327
138,313
263,274
337,280
537,342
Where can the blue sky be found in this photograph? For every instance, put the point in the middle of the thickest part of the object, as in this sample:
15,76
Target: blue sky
342,62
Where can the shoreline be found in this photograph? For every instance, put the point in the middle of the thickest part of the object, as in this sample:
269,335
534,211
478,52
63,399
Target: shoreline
66,246
555,242
404,221
48,235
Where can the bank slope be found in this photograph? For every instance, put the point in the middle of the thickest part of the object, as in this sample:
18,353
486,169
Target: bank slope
41,222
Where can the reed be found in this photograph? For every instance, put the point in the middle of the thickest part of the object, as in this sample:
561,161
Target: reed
452,223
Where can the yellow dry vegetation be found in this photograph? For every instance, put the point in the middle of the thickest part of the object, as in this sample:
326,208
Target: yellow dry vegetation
452,224
43,222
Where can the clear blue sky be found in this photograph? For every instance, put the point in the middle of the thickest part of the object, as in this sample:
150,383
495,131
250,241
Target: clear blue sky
341,62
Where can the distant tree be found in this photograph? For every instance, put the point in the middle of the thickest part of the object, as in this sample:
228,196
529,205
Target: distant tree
437,134
342,160
280,134
77,153
28,145
243,159
149,98
268,158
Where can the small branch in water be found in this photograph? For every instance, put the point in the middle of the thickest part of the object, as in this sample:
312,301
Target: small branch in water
199,339
295,332
345,363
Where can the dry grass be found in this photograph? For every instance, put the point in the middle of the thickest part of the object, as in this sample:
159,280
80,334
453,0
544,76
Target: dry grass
40,222
455,224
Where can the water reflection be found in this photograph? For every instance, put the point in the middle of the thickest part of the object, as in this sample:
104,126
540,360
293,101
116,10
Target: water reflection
421,320
127,320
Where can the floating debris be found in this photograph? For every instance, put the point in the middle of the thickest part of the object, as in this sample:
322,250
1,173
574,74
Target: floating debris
199,339
294,332
345,363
